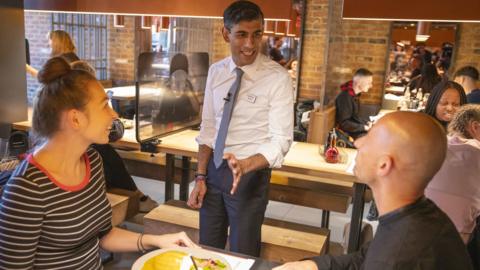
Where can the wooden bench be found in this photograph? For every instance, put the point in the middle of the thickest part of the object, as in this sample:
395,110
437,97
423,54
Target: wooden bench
119,207
281,241
150,166
330,195
288,188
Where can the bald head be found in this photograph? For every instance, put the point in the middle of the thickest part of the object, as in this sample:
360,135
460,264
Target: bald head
405,146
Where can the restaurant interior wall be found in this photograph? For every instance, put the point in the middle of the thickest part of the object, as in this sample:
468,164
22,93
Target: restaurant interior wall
13,105
220,48
313,62
37,25
437,35
467,49
121,51
355,44
334,48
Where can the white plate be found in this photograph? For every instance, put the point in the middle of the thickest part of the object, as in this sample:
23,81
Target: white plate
186,263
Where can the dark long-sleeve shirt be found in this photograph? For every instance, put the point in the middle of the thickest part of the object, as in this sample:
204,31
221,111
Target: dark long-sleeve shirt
417,236
347,111
474,96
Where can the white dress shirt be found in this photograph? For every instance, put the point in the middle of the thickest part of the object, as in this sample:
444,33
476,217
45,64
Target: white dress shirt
262,118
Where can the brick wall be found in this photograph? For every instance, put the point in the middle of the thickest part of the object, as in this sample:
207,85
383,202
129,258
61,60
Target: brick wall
468,46
355,44
313,63
37,25
220,48
121,52
351,44
194,35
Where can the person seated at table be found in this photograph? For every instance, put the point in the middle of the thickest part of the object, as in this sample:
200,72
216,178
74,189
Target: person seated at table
61,44
468,77
346,114
54,212
396,159
455,188
116,174
427,79
415,66
444,101
275,53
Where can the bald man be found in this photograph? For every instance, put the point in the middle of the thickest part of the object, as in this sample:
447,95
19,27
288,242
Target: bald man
397,159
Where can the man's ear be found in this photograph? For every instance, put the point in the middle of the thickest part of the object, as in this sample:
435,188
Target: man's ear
473,128
225,33
384,165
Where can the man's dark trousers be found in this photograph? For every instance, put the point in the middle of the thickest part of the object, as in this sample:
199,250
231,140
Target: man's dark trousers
243,212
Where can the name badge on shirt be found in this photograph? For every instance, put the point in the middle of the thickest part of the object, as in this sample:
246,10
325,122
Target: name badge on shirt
251,98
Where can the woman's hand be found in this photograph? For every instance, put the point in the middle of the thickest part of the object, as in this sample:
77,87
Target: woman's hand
173,240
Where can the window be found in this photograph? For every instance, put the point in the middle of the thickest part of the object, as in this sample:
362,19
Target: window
89,33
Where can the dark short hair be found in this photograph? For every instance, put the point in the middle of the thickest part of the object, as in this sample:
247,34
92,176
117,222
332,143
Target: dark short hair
241,11
363,72
468,71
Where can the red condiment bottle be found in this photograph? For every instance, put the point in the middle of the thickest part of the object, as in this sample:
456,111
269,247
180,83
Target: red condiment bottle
332,154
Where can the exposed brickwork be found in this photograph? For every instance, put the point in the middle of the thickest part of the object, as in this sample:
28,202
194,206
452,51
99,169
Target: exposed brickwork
121,52
220,47
313,66
468,46
354,44
37,25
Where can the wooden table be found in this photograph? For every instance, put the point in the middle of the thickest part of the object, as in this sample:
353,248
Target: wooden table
302,161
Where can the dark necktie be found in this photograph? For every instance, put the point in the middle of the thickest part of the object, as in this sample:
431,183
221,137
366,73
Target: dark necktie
227,115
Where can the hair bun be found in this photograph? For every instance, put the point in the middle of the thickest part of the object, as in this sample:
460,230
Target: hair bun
55,68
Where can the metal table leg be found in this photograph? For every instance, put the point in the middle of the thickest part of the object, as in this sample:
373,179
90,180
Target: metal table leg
169,176
325,218
185,178
357,214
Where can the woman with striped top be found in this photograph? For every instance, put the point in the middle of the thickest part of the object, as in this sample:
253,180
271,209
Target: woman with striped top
54,213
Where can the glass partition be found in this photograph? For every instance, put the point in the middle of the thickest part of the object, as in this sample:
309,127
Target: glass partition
167,95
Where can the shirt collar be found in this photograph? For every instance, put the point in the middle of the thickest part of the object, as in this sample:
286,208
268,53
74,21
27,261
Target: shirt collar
249,70
403,211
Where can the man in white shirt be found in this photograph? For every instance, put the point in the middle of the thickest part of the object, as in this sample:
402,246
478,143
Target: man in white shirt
247,128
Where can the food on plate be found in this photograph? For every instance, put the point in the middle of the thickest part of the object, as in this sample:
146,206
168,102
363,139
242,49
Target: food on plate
171,260
208,264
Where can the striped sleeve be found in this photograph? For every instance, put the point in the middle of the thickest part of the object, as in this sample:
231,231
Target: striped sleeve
21,218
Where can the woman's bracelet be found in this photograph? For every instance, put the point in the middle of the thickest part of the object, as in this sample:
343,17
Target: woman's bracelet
140,246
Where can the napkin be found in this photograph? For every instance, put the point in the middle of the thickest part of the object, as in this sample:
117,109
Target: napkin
351,166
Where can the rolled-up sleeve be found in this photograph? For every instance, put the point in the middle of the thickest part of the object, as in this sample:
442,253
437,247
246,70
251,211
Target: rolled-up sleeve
207,127
280,124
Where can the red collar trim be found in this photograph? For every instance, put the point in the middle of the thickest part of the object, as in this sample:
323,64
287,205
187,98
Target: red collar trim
348,86
74,188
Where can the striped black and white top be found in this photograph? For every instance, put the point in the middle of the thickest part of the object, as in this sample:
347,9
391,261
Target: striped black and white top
45,225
